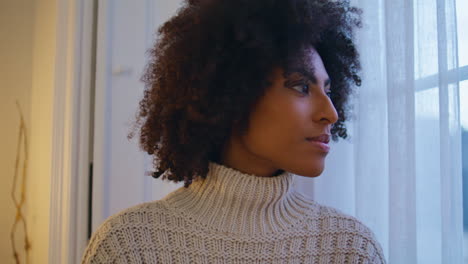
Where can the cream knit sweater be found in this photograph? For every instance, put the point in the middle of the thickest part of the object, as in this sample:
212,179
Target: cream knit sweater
232,217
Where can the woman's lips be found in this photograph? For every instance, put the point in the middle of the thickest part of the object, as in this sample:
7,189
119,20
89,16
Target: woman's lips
320,145
320,142
325,138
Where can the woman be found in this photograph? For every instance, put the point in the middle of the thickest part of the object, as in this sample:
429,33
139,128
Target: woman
242,96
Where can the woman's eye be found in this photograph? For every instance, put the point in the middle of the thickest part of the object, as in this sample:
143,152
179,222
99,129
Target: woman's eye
302,88
329,93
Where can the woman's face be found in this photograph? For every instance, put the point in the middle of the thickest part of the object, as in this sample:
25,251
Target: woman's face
293,111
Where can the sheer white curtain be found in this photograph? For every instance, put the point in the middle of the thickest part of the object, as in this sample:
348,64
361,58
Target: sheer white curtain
400,171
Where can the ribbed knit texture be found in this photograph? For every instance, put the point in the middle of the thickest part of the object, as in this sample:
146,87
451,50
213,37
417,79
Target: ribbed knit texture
233,217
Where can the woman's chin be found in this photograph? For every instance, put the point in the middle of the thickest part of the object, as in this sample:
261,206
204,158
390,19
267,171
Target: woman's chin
310,170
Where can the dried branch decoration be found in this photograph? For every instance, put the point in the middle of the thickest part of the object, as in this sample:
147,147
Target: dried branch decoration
20,219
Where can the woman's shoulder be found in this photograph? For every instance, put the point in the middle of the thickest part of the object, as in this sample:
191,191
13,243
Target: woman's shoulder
336,219
322,216
330,221
138,214
125,232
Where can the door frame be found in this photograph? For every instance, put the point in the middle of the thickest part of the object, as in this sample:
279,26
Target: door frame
102,47
71,136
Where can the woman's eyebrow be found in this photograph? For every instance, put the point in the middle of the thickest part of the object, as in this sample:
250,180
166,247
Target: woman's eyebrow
326,83
302,74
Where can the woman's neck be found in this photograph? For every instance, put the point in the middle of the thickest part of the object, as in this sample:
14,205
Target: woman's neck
232,201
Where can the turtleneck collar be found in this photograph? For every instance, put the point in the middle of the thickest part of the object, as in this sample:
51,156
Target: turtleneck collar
235,202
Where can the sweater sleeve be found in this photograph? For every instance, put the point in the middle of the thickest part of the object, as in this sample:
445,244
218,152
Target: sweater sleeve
364,242
103,246
375,251
378,256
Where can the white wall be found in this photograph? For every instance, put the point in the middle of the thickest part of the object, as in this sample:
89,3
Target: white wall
16,46
27,47
41,127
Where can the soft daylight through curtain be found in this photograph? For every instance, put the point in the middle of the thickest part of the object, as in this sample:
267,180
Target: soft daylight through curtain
400,171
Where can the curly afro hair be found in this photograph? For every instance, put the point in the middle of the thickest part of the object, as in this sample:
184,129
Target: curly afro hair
211,63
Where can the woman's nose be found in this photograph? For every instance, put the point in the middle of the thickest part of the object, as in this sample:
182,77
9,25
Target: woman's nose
327,112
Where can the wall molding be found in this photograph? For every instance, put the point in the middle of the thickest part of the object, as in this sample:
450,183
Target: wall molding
71,130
